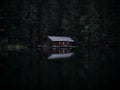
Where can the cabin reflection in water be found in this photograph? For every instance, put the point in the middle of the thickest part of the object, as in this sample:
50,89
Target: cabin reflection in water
60,53
60,56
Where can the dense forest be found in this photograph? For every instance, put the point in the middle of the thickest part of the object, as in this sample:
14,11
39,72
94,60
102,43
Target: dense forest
89,22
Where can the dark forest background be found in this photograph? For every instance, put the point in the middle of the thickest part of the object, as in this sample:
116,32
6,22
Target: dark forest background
89,22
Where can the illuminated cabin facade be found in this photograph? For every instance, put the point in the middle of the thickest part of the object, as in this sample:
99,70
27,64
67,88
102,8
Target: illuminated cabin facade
58,41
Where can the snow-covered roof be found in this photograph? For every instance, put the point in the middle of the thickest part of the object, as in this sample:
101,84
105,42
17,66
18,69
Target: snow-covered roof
59,38
60,56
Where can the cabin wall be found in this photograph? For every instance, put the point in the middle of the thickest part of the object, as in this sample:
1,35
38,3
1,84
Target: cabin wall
61,43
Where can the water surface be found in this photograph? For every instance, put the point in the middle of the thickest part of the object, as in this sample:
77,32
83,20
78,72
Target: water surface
86,69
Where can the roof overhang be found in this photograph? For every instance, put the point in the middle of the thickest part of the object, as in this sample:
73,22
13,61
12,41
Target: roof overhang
59,38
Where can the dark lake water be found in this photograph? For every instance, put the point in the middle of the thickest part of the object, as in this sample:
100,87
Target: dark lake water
63,69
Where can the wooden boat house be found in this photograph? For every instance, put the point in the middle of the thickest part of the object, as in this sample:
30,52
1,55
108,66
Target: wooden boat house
58,41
